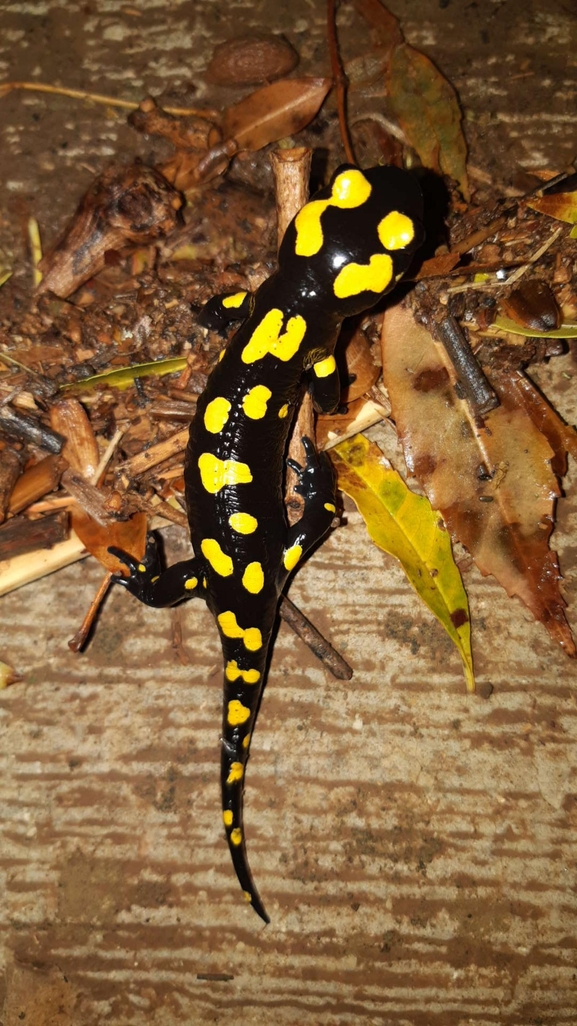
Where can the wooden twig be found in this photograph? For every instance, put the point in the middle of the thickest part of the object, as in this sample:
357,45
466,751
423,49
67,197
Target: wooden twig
161,509
27,429
22,535
314,639
340,80
110,101
143,461
479,393
79,639
292,170
92,500
470,376
20,570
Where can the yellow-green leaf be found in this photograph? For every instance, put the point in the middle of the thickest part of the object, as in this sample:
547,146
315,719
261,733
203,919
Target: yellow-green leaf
560,205
506,324
429,114
124,377
406,526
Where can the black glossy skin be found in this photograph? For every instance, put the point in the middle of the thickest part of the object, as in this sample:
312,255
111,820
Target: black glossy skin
303,287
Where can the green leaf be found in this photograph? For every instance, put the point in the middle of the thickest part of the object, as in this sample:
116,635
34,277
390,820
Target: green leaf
406,526
124,377
429,114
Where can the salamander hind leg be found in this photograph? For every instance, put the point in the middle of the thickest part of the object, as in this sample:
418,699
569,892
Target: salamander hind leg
325,385
317,486
152,585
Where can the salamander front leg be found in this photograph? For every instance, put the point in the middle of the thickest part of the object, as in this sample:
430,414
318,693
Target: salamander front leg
317,486
149,583
221,310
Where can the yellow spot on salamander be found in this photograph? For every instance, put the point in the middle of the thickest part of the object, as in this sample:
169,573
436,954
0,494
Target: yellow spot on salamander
247,895
228,625
142,568
396,230
267,339
253,578
218,559
331,507
283,412
252,639
216,474
216,414
233,672
237,713
234,301
243,523
350,189
236,773
227,817
251,636
292,556
254,402
372,277
221,355
191,583
153,580
246,741
236,836
323,368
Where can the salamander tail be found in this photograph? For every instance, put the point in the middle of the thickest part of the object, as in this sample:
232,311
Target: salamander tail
233,765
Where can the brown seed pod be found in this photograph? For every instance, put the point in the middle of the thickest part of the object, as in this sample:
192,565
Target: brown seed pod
251,60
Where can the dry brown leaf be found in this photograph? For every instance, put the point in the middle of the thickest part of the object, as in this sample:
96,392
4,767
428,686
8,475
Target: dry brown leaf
383,23
438,266
129,535
274,111
561,436
427,107
492,482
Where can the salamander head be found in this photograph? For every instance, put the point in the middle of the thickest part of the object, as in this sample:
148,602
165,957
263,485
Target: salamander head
353,241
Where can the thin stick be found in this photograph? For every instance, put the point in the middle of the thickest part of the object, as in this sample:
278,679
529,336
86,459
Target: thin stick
20,570
340,80
481,396
291,169
107,455
315,641
79,639
446,330
158,453
162,509
110,101
536,256
35,249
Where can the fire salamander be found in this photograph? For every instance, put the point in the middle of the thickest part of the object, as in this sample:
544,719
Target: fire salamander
347,247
